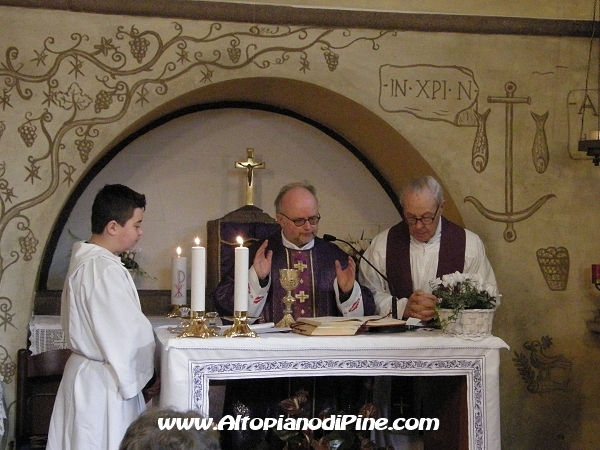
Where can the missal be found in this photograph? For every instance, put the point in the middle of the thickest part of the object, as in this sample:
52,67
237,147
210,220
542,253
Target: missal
344,326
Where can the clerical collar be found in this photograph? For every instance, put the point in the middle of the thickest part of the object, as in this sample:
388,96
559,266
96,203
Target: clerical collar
434,240
292,246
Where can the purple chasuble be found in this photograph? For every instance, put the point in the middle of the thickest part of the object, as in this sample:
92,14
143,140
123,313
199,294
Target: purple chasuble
314,296
451,257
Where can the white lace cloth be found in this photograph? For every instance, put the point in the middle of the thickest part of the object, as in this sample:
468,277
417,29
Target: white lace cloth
46,334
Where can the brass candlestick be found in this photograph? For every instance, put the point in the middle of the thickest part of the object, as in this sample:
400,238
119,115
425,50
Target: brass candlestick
175,312
197,327
289,279
240,326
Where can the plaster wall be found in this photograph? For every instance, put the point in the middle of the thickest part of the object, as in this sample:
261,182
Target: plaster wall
557,9
431,90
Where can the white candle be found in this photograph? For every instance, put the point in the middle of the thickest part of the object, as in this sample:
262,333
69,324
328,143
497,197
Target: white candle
198,277
178,279
240,289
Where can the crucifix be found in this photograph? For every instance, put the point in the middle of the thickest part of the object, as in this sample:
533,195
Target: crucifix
249,165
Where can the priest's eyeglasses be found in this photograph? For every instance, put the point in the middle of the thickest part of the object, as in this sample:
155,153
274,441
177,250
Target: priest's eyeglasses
425,220
313,220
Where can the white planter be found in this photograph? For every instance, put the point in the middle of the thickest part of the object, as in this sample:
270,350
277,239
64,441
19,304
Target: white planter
469,324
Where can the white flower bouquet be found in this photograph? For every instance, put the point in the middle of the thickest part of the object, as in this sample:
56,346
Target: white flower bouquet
463,291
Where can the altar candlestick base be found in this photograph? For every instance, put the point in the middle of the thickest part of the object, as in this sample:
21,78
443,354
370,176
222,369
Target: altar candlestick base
197,327
175,312
240,326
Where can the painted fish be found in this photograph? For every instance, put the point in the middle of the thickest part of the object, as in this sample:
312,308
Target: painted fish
539,151
480,154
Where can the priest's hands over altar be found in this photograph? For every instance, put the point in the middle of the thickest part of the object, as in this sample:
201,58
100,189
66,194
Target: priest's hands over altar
345,277
262,261
421,305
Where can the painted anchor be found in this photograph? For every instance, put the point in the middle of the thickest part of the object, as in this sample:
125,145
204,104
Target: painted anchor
509,216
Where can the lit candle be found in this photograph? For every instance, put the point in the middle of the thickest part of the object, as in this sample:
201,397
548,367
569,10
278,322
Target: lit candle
198,277
240,289
178,279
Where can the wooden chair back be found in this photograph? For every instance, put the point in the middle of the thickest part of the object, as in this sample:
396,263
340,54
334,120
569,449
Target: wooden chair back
38,378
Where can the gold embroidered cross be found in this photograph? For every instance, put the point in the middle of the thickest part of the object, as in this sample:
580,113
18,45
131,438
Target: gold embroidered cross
300,266
301,296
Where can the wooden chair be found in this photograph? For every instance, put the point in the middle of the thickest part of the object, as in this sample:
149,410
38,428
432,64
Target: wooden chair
249,222
38,378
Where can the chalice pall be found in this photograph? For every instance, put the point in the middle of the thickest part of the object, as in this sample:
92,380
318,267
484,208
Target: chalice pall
289,279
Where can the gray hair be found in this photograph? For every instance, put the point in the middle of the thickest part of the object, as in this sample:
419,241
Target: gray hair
288,187
421,184
144,434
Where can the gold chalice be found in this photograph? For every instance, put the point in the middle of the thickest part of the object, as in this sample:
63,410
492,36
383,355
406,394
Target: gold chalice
289,279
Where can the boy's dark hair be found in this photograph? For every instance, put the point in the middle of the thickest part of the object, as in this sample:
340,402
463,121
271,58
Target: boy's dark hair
115,202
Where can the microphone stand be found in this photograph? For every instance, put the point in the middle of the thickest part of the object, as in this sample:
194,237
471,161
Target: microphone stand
331,238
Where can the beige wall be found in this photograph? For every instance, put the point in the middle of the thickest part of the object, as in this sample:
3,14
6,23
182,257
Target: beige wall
351,80
556,9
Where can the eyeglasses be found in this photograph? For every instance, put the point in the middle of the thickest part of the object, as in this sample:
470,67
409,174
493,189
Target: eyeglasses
425,220
301,221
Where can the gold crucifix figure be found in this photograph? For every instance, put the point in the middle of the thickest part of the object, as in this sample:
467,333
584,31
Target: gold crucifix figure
249,165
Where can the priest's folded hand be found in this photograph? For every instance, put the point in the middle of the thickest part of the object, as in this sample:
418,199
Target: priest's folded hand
420,305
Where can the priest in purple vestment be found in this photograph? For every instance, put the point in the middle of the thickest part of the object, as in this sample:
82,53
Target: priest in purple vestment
328,288
411,254
328,285
419,249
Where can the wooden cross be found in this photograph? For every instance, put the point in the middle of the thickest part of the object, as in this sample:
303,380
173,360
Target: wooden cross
249,165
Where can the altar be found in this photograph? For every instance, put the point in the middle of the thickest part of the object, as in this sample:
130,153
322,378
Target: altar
189,365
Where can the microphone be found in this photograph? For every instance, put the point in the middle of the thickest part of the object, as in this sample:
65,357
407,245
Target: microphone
331,238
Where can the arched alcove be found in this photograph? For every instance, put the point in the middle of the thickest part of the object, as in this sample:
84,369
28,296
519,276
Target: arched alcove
386,154
390,154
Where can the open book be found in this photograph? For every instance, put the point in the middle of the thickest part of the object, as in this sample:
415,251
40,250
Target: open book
342,326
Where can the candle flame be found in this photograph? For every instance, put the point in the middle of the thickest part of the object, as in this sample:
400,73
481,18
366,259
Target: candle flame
240,241
178,251
197,241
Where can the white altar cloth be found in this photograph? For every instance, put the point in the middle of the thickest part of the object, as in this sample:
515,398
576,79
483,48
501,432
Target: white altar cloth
188,365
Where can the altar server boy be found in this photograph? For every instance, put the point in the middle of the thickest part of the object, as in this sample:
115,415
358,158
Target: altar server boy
112,341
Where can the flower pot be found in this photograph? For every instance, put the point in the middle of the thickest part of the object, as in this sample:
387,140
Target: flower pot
469,323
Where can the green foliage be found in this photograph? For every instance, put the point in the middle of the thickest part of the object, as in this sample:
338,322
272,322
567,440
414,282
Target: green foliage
128,260
460,291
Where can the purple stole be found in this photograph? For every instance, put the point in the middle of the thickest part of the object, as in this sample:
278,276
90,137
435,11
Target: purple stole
304,293
451,257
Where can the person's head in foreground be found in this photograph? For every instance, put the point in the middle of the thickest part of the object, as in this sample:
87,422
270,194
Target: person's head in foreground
145,434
